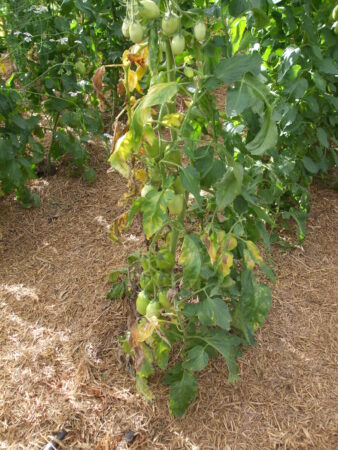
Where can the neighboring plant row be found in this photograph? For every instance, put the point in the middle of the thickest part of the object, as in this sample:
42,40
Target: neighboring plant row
55,48
211,183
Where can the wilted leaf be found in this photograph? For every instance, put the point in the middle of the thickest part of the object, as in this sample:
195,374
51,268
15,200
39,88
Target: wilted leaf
190,259
117,227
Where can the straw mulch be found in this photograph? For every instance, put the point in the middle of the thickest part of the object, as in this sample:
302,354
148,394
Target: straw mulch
60,366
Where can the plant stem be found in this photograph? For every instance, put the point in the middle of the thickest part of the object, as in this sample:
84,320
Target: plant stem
49,154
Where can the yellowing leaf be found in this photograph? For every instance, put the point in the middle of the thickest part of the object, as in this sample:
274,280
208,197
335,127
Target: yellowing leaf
117,226
123,150
146,328
254,252
141,175
248,260
226,263
230,242
172,120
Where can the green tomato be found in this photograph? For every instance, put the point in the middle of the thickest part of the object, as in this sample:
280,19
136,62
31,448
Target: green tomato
200,31
163,279
153,309
175,205
146,283
178,186
80,68
335,28
146,188
177,44
173,156
170,24
335,13
155,175
125,28
136,32
188,72
149,9
142,303
162,298
165,259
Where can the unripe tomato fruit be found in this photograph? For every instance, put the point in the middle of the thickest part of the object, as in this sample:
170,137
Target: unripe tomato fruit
154,175
153,309
162,298
200,31
170,24
80,68
335,13
136,32
175,205
142,303
125,28
188,72
149,9
335,28
177,44
165,259
178,186
146,188
163,279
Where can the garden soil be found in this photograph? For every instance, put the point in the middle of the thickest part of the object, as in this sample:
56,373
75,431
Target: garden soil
60,364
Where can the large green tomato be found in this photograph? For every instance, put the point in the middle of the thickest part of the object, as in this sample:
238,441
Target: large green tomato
155,175
175,205
170,24
163,279
153,309
142,302
165,259
148,9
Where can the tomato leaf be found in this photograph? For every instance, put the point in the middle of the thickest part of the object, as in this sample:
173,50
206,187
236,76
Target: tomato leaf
229,187
154,208
190,180
190,259
197,359
233,69
183,390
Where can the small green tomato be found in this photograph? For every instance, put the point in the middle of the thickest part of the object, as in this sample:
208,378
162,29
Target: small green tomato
170,24
142,303
178,44
125,28
153,309
200,31
188,72
136,32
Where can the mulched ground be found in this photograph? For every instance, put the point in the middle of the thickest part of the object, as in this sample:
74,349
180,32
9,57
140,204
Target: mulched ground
59,359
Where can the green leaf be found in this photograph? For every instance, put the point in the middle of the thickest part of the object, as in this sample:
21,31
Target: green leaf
261,19
237,100
253,306
238,7
229,187
183,391
236,32
190,259
310,165
189,177
154,208
233,69
322,137
143,388
197,359
228,346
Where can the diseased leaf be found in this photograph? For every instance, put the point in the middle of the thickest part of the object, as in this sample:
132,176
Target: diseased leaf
123,150
183,391
253,306
190,259
154,208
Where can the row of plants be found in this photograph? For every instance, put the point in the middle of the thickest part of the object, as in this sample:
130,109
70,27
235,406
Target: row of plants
55,48
212,184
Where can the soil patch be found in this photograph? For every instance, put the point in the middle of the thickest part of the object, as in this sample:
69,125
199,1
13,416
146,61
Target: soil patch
59,360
